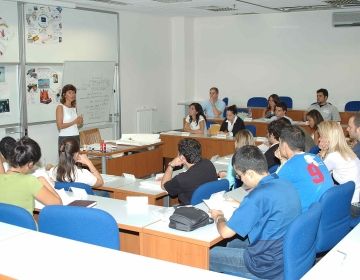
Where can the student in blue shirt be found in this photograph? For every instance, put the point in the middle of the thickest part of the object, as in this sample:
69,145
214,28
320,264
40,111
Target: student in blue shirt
214,107
307,172
262,218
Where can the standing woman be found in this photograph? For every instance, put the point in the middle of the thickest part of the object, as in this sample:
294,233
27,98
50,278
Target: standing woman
195,122
232,124
313,118
67,120
272,101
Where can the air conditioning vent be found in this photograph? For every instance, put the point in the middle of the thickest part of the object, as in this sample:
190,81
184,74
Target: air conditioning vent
217,8
344,19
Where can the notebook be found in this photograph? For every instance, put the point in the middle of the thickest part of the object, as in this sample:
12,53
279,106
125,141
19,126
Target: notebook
83,203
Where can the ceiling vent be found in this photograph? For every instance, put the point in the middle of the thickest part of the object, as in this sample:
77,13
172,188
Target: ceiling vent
345,19
217,8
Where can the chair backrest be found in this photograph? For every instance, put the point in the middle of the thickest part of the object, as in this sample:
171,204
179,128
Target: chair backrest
83,224
299,243
251,128
226,101
287,100
90,136
214,129
67,185
204,191
257,102
352,106
15,215
335,218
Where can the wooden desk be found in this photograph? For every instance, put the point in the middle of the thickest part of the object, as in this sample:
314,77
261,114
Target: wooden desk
342,262
189,248
62,258
210,146
141,161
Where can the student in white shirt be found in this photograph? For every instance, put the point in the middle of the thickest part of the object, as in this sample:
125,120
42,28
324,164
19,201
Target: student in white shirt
67,171
195,122
338,157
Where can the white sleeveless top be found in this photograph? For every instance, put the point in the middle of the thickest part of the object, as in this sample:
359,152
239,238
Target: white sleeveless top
69,114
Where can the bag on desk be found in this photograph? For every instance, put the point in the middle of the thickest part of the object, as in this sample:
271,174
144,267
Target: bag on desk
189,218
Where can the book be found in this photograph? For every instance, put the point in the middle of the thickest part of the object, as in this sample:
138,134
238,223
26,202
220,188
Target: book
83,203
217,201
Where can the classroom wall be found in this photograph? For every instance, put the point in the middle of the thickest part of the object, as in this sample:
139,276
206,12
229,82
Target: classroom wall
145,69
290,54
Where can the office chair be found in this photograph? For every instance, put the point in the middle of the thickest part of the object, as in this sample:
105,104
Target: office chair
204,191
257,102
89,225
299,243
251,128
335,220
67,185
287,100
352,106
226,101
17,216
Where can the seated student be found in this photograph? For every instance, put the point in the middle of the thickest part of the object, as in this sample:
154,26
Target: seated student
67,171
199,171
313,117
7,145
327,110
214,107
270,110
338,157
19,188
354,132
274,130
280,112
242,138
232,124
195,122
262,218
307,172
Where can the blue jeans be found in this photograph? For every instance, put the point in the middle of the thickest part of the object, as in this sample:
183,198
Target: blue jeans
230,259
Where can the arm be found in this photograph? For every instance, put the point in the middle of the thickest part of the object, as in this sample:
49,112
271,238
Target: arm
47,195
169,170
217,111
201,130
220,221
82,158
223,126
59,119
335,114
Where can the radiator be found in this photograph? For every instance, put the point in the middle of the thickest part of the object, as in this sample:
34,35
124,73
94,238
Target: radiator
144,120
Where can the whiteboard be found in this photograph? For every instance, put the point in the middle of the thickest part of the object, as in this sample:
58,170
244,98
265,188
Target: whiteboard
94,81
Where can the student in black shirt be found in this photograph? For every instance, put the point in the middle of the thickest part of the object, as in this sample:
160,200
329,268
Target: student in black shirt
199,171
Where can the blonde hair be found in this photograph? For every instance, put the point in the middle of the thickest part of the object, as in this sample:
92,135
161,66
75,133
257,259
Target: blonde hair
244,137
333,132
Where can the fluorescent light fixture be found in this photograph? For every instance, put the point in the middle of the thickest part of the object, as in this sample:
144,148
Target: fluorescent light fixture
51,3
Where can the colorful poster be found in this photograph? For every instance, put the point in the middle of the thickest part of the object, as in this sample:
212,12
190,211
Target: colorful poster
42,86
43,24
6,34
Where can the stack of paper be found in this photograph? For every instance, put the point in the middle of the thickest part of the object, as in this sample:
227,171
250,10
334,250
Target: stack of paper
217,201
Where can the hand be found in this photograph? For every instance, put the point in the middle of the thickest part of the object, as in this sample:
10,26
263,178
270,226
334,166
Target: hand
80,120
215,213
222,174
82,158
176,162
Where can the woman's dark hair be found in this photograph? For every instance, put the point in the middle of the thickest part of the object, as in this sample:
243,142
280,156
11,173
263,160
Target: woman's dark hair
316,116
63,92
276,99
200,112
66,168
232,109
25,151
7,145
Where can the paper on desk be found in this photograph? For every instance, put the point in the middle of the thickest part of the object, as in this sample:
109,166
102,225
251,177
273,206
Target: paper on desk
129,176
151,185
223,160
177,133
65,198
217,201
139,139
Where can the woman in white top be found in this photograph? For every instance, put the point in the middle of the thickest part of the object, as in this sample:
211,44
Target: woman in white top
67,171
338,157
195,122
67,120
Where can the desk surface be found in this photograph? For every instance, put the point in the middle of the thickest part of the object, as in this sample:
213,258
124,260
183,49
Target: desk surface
8,231
342,262
46,256
121,149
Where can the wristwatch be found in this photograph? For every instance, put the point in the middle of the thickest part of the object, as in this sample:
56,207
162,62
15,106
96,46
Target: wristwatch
220,217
